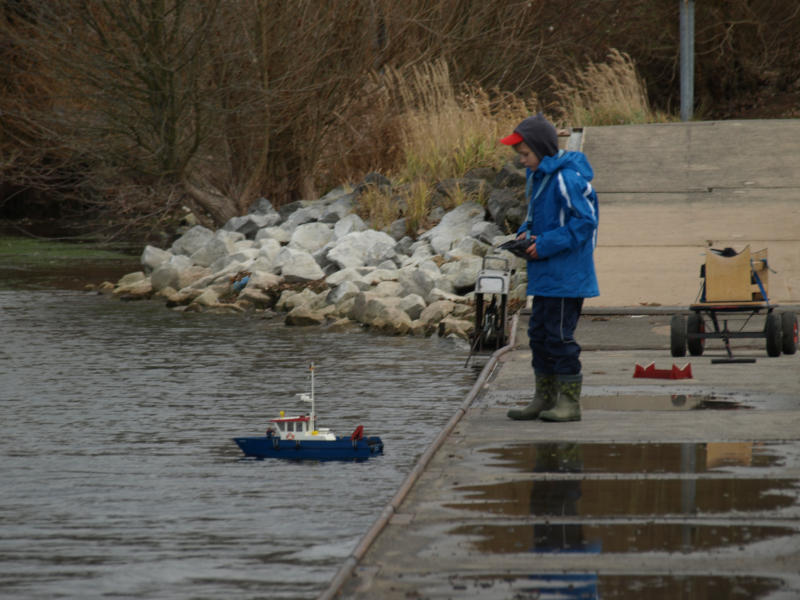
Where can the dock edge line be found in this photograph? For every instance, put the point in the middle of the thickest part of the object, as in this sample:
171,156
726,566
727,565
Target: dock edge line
390,509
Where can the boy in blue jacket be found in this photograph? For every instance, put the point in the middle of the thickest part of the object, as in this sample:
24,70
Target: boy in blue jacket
562,229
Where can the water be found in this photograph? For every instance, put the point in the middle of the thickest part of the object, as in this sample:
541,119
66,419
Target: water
119,475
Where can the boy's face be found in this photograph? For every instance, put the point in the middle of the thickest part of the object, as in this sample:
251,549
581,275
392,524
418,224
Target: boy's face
527,156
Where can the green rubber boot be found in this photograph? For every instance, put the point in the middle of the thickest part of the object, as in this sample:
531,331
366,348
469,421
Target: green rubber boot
543,399
568,405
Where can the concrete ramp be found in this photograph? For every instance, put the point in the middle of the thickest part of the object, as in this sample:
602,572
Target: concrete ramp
669,191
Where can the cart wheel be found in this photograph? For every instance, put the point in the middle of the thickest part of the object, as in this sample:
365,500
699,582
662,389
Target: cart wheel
677,335
774,334
790,332
695,324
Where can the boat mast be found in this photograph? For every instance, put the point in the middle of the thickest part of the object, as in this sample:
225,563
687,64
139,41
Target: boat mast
313,412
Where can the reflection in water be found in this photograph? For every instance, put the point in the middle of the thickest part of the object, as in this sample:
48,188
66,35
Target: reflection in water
629,537
614,587
650,458
559,498
558,510
600,498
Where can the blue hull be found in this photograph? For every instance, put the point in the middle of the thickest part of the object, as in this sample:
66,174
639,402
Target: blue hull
342,448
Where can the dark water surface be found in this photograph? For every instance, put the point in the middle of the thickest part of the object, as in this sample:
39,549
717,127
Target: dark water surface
119,476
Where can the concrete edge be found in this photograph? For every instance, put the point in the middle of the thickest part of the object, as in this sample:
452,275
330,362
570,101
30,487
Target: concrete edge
380,523
655,310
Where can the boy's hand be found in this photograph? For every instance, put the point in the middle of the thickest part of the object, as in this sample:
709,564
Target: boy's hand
530,250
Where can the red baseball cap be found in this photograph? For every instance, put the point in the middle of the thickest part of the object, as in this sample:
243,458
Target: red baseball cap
511,140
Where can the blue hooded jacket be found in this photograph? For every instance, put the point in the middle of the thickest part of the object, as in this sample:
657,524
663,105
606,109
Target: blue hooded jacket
563,215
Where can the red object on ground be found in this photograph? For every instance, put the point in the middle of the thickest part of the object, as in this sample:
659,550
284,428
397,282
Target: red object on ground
651,372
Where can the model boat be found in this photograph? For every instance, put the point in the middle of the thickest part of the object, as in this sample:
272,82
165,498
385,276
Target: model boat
299,438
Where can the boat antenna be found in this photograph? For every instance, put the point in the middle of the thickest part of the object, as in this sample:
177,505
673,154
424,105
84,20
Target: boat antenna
307,398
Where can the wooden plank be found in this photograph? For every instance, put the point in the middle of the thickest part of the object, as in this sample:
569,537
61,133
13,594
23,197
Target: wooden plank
728,277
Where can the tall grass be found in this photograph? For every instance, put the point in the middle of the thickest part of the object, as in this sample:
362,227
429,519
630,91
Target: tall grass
610,93
446,132
442,132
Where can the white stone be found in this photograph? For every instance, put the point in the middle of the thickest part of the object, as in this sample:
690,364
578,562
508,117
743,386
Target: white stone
310,237
191,241
153,257
297,265
360,248
454,226
348,224
279,234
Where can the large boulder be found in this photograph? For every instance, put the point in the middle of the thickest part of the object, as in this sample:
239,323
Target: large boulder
345,290
454,226
452,327
165,276
191,274
133,286
352,274
416,281
310,237
301,216
360,248
463,273
338,204
191,241
485,231
303,316
291,299
435,312
268,249
508,208
152,257
348,224
412,304
392,321
249,225
297,265
278,234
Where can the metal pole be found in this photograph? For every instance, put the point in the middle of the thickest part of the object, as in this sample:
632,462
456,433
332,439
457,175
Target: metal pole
687,59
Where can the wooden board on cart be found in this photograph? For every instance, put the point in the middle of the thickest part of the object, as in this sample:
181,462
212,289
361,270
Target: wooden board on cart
735,278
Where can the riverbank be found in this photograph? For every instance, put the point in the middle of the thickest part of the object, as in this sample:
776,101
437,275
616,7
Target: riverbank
319,263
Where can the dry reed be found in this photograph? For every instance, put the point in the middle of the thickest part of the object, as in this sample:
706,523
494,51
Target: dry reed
610,93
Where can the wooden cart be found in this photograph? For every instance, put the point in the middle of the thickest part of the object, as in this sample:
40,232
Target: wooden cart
734,288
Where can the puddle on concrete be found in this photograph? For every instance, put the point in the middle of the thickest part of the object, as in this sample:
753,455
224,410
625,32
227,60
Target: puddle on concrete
668,402
590,586
628,497
617,538
636,458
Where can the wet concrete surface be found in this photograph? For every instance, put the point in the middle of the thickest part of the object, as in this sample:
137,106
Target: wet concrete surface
665,489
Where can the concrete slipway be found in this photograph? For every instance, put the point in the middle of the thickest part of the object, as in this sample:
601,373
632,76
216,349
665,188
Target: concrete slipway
668,488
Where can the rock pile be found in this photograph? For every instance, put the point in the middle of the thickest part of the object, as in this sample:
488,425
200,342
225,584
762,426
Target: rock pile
318,262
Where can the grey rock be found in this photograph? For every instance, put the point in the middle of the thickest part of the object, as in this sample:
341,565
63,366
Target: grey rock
278,234
507,208
152,257
348,224
297,265
191,241
310,237
362,248
454,226
510,176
